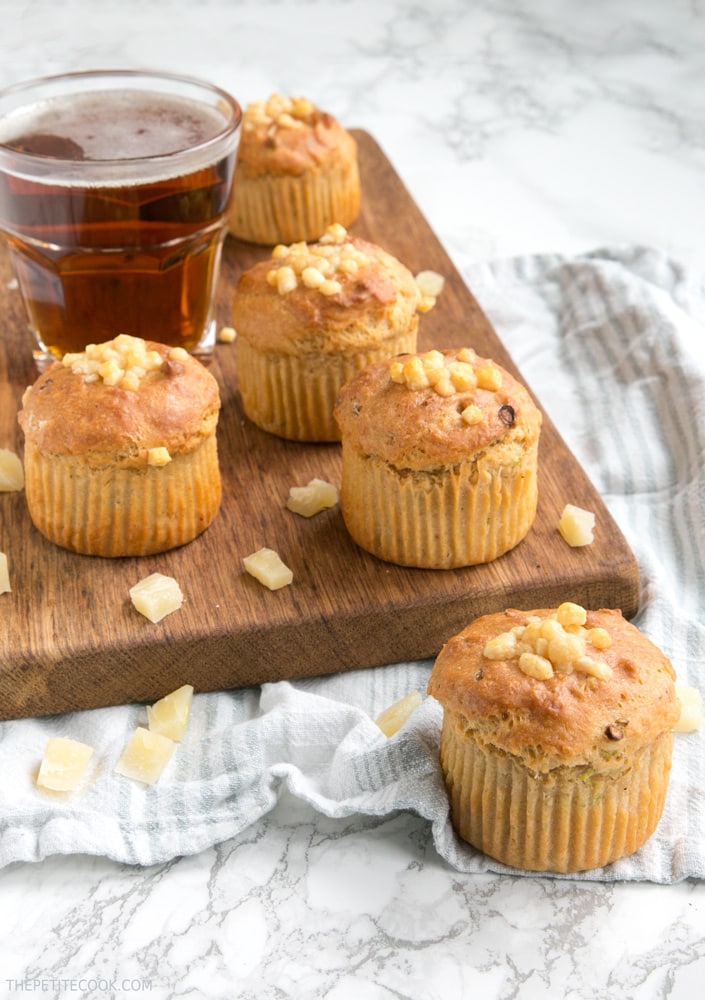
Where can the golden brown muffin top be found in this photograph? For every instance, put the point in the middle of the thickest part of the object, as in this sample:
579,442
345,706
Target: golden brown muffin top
338,293
431,409
290,135
124,401
595,715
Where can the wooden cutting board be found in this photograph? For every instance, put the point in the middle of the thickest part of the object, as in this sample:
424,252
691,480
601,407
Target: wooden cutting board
70,638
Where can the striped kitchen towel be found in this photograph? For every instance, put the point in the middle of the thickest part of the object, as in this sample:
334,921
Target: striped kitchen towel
613,344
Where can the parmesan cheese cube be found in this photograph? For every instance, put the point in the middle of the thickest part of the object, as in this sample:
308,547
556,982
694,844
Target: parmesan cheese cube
308,500
266,566
691,709
156,596
536,666
393,718
11,471
430,283
489,377
576,525
169,716
472,414
5,587
145,756
64,764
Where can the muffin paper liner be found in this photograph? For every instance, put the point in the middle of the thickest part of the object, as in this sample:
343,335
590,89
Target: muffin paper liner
293,395
468,514
114,511
284,209
566,820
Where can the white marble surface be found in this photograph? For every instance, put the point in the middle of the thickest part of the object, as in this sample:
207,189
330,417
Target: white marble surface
518,127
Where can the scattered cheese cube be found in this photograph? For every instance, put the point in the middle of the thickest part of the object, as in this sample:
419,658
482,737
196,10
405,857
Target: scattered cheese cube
393,718
156,596
11,471
267,567
5,587
227,334
308,500
169,715
691,709
576,525
64,764
430,283
145,756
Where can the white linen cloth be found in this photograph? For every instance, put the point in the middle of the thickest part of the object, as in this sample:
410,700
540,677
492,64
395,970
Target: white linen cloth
613,344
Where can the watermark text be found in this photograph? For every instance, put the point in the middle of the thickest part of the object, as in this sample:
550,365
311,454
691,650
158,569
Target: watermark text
57,984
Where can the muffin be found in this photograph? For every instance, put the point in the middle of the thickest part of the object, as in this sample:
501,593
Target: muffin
439,459
296,173
120,449
309,318
557,736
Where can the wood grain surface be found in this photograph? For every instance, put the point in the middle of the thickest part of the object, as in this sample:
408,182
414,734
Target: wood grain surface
70,638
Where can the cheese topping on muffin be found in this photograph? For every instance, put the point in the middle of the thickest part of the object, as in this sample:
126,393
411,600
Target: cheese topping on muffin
123,361
448,376
455,403
126,401
278,112
320,265
335,259
555,644
291,134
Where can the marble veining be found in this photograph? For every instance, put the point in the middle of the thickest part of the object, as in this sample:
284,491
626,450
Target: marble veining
518,129
300,906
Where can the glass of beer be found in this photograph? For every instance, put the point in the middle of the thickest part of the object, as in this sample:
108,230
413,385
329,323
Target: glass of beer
114,196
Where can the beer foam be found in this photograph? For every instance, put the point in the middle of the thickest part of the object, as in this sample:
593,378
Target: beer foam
107,134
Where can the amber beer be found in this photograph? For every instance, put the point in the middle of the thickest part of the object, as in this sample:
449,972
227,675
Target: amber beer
114,201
